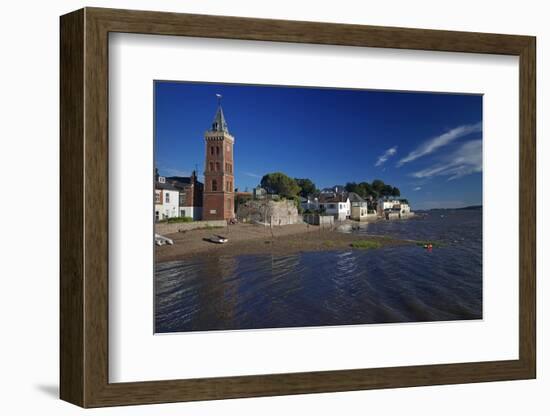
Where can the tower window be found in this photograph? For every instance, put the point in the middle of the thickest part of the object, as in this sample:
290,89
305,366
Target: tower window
218,150
211,150
217,166
214,185
211,166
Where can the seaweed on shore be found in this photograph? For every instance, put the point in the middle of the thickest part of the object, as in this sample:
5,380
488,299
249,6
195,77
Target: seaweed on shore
366,244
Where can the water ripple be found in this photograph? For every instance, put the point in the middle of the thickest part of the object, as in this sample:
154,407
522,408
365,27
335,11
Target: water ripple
393,284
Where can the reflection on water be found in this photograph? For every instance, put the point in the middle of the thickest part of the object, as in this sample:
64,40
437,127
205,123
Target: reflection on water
393,284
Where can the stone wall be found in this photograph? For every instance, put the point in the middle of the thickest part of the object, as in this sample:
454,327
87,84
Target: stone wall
163,228
321,220
267,212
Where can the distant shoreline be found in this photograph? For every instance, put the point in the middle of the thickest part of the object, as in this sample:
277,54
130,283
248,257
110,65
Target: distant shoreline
469,207
245,239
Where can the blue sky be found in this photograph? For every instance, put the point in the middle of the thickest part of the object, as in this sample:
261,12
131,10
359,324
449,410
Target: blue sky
428,145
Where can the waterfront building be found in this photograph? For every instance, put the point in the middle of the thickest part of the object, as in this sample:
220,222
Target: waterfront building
359,207
190,195
337,205
218,195
310,203
166,199
398,206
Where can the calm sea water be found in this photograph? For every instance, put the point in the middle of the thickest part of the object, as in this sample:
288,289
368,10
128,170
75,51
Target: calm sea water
342,287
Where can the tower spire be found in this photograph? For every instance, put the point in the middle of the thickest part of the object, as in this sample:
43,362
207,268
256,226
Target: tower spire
219,123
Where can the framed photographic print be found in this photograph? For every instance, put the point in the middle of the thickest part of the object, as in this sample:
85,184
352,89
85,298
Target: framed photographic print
261,207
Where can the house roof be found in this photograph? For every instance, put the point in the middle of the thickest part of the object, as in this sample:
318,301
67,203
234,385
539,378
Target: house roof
393,199
181,179
353,197
333,198
183,182
165,186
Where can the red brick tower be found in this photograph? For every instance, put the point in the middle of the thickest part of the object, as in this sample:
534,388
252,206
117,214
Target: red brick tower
219,195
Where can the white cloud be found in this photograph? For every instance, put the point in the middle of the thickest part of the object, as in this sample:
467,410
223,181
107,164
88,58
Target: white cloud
386,155
252,175
418,188
467,159
175,172
435,143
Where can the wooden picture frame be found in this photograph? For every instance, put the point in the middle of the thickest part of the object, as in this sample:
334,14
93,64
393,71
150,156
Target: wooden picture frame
84,207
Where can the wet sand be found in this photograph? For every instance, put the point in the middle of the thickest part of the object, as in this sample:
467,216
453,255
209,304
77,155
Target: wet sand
257,239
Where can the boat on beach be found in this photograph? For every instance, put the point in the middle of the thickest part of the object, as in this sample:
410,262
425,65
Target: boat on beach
160,240
219,239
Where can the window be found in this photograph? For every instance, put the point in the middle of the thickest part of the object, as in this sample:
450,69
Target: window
214,185
167,198
157,198
218,150
217,166
157,216
211,166
211,150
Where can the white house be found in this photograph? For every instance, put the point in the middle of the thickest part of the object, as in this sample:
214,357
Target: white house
339,206
399,206
310,203
190,195
385,204
166,200
360,208
405,208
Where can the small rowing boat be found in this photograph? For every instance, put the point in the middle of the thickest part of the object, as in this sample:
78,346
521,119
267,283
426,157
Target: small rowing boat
219,239
160,240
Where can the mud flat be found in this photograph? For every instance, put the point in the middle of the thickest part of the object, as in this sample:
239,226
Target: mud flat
257,239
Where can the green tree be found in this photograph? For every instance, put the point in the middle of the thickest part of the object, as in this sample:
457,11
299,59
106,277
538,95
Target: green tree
387,190
366,189
281,184
363,189
352,187
395,191
307,186
378,185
